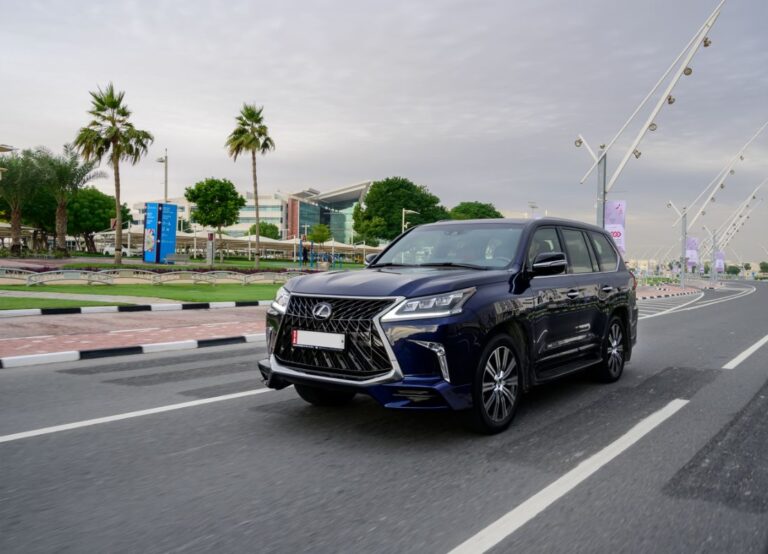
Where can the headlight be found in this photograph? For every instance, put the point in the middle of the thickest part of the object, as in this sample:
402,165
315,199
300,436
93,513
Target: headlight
280,303
439,305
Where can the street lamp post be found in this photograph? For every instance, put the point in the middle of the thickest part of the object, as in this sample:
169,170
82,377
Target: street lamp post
402,224
712,268
164,160
684,58
683,239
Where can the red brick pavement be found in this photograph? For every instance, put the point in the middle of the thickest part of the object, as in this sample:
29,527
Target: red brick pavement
42,334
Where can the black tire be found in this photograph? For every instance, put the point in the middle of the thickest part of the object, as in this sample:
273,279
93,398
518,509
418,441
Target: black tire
496,386
614,352
324,397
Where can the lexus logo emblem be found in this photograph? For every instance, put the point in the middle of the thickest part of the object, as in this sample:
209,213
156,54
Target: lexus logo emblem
322,310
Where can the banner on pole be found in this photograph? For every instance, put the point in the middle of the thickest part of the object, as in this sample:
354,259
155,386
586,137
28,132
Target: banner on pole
615,222
720,261
692,251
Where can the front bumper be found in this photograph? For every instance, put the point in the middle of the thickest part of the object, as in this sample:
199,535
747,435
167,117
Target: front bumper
410,392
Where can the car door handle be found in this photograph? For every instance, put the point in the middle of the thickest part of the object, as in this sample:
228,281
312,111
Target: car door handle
607,288
573,293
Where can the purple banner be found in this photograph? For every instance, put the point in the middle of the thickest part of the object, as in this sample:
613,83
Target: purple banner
692,251
615,222
720,261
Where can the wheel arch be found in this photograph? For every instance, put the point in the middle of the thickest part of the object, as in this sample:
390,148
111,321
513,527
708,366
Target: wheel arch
520,335
622,312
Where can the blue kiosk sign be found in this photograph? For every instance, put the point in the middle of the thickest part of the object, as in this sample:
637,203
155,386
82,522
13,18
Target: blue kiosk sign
159,232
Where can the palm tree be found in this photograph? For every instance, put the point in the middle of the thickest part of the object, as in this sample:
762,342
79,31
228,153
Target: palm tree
18,184
65,175
111,132
251,135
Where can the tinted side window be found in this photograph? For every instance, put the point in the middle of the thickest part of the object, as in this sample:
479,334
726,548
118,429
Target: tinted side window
544,240
578,251
606,253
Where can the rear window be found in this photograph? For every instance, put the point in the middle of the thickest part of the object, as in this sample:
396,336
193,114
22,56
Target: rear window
578,251
606,253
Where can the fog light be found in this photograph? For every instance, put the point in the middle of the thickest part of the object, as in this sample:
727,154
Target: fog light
439,351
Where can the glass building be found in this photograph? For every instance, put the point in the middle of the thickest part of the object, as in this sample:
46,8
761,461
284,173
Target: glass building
293,214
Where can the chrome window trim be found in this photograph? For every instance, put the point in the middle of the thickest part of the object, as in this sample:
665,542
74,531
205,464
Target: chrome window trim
395,374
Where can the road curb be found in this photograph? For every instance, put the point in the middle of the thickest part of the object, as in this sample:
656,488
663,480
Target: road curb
75,355
135,308
669,295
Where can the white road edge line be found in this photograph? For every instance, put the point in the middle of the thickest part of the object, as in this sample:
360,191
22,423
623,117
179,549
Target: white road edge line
128,415
674,308
746,354
522,514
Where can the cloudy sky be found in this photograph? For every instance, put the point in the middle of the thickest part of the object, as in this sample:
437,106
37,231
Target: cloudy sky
477,100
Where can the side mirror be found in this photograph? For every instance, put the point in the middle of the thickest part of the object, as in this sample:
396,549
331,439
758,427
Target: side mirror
370,257
549,263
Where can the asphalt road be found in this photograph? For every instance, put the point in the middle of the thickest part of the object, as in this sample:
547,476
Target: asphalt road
672,458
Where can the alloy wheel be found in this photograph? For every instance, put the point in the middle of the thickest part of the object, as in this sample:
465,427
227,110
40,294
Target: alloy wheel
615,349
500,384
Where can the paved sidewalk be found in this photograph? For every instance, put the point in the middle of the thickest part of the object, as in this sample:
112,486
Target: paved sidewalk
24,335
92,297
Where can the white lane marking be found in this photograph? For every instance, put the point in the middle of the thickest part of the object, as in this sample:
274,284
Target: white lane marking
674,308
128,415
746,354
522,514
745,292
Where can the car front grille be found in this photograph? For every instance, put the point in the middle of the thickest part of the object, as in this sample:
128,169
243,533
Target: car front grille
364,356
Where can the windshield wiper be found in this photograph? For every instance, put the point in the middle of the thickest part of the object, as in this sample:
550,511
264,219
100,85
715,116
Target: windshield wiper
391,264
453,264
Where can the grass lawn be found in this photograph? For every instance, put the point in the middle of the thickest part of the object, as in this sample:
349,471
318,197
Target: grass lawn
9,303
181,292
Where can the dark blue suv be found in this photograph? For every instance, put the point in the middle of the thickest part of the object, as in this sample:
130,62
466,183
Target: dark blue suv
462,315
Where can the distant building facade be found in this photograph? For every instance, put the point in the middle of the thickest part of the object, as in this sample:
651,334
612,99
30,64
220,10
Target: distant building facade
294,214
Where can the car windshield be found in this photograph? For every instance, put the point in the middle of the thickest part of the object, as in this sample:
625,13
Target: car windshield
482,246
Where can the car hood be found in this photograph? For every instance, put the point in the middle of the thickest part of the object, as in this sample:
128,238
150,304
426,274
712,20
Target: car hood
394,281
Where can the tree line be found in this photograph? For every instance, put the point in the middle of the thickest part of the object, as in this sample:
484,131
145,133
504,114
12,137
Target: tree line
42,189
50,193
381,216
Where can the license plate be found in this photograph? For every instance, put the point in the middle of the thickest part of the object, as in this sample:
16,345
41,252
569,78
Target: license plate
313,339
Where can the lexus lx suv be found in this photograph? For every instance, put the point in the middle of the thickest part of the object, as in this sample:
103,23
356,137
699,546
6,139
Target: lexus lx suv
461,315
